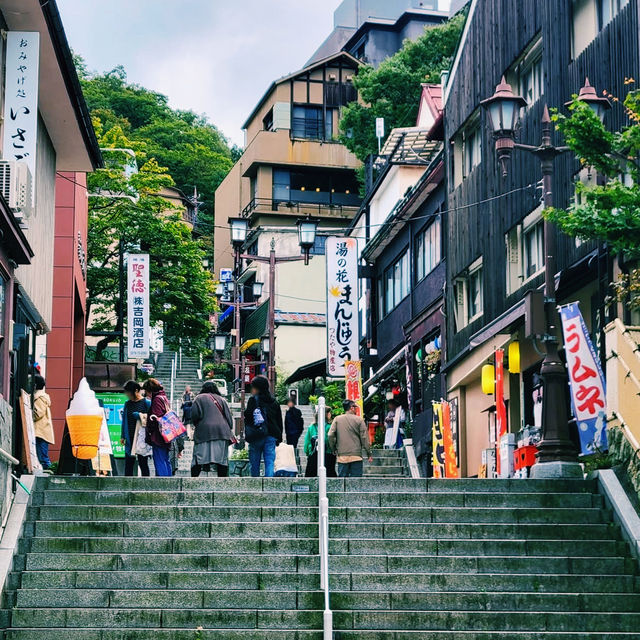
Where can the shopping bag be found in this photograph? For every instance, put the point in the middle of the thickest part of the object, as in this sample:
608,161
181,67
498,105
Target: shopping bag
285,460
139,446
170,426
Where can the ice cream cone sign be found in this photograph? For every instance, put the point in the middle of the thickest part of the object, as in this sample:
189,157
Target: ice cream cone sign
84,419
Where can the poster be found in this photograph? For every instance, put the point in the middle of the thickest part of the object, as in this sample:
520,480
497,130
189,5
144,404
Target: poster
586,381
28,433
138,329
353,384
343,342
438,442
501,408
450,467
21,99
113,404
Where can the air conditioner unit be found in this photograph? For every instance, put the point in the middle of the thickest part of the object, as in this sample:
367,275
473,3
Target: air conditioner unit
16,187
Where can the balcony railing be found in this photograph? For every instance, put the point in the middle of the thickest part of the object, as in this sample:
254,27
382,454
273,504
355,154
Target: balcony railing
269,205
310,129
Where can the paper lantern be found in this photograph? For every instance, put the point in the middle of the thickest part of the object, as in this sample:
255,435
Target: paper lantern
514,357
488,379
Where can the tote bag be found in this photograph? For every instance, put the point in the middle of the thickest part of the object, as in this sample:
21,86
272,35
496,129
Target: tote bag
139,446
170,426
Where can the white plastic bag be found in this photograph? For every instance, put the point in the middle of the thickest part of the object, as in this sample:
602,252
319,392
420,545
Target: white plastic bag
285,459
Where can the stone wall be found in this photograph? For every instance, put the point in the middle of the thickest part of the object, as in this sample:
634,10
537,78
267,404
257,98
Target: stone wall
625,454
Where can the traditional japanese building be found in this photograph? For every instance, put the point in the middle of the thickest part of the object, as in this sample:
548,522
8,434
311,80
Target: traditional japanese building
494,229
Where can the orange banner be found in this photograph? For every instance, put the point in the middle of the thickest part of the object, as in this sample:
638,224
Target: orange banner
450,468
438,442
353,383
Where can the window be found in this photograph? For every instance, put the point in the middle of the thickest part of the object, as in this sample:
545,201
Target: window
468,295
472,149
395,284
428,249
589,17
267,122
607,10
526,75
313,186
525,250
466,149
309,123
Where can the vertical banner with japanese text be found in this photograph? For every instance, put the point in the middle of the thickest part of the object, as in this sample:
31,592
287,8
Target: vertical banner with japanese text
138,330
438,442
343,342
450,459
353,384
586,381
21,98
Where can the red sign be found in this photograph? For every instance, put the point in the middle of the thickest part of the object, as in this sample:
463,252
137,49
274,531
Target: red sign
501,408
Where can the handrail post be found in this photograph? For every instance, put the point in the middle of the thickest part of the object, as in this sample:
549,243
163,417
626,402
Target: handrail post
323,523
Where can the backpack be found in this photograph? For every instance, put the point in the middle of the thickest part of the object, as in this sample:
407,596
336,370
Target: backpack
258,430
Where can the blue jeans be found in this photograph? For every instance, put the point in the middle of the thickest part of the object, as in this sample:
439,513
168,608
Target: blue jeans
161,461
267,448
350,469
42,449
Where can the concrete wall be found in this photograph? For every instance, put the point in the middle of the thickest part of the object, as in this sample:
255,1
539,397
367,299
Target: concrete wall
400,178
290,355
37,278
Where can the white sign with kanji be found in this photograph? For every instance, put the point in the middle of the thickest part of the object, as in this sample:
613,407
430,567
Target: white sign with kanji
138,329
343,341
586,381
21,98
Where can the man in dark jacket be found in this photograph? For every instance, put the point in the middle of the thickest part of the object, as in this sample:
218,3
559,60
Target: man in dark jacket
264,407
293,423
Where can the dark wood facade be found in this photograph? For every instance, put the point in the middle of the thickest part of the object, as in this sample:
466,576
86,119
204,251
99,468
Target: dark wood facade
485,206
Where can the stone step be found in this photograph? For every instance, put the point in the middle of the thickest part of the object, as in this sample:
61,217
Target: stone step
340,600
337,499
131,514
390,485
297,634
431,531
405,564
312,619
386,583
306,546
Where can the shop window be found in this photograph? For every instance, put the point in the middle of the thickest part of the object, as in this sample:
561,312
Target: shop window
468,294
525,251
428,249
310,123
396,284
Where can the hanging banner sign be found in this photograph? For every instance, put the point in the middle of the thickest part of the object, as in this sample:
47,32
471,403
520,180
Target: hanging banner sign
343,341
21,98
450,466
501,407
586,381
353,384
138,329
438,442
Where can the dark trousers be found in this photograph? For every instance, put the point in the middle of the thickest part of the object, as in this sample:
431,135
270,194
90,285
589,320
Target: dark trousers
197,469
312,465
143,464
292,439
350,469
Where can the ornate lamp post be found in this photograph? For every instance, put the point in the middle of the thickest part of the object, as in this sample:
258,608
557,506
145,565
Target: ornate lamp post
557,456
307,228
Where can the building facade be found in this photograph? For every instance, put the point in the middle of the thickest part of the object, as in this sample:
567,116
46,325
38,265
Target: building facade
494,232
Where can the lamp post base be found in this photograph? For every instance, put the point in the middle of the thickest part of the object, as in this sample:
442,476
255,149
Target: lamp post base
556,469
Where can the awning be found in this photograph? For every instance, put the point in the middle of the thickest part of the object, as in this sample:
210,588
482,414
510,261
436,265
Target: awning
248,344
317,369
380,373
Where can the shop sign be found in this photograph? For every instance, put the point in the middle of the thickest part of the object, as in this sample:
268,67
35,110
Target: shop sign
343,342
353,384
586,381
138,329
113,405
21,99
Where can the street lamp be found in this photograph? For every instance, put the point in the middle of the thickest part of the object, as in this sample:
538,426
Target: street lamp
307,228
219,290
257,290
557,456
239,230
218,342
588,94
265,345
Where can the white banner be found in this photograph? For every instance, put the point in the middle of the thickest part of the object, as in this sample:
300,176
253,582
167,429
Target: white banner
21,98
586,381
343,341
138,329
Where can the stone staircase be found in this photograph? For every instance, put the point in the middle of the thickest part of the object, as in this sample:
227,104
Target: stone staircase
236,558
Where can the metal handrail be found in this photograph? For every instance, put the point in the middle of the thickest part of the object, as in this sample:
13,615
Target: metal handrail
323,522
297,207
8,458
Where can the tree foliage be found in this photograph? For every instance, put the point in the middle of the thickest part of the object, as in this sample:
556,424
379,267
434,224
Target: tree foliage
392,91
609,212
129,214
194,151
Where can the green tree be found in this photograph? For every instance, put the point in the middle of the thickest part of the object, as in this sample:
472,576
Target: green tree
610,211
126,212
392,91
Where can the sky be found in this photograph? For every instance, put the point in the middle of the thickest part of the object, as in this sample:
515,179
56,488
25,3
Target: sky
215,57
